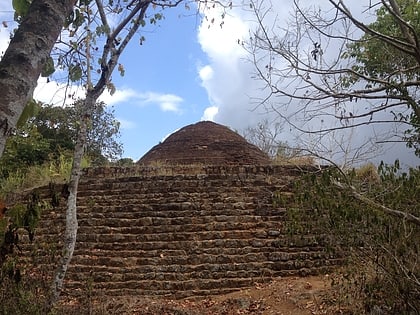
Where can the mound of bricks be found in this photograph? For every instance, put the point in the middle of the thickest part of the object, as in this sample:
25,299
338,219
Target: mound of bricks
206,143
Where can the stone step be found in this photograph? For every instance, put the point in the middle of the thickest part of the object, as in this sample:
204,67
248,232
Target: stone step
173,211
73,290
272,232
111,252
199,216
149,225
211,246
266,253
161,264
170,237
163,260
177,180
177,290
177,201
165,187
146,232
170,271
140,229
171,224
172,286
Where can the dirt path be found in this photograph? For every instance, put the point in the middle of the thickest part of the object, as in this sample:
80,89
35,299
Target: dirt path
283,296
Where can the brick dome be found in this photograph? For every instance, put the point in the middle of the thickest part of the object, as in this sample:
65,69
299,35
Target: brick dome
206,143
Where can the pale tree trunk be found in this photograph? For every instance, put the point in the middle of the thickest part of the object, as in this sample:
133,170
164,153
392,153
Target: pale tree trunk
110,60
70,233
25,57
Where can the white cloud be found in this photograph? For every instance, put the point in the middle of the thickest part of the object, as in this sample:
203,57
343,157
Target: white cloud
228,77
121,95
205,73
222,40
58,94
166,102
4,42
55,93
127,124
210,113
5,16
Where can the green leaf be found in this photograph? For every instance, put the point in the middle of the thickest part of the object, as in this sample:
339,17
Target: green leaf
30,110
121,69
111,88
85,2
75,73
48,68
69,20
21,7
79,19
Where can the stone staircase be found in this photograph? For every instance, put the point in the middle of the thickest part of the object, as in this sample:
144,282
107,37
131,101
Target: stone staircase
178,234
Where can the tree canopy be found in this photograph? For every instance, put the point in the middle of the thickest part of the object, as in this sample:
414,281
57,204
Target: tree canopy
26,55
387,58
52,133
343,66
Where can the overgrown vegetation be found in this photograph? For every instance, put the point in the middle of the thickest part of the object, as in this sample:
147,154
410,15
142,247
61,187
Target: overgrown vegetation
40,153
383,273
37,175
17,294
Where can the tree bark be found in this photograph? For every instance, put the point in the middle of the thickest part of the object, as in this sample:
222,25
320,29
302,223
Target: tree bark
25,57
70,233
110,60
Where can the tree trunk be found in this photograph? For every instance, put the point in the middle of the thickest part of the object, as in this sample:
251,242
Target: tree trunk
25,57
92,95
71,212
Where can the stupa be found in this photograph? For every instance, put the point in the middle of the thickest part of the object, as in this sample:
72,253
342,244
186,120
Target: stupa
207,143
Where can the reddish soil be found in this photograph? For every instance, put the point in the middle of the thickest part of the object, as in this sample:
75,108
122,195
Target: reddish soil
283,296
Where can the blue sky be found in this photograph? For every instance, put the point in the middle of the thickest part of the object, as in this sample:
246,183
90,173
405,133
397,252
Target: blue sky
186,71
161,90
163,76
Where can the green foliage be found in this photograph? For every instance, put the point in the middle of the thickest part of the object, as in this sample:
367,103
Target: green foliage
382,64
38,175
27,147
21,8
379,59
156,18
23,298
23,291
386,246
75,73
124,162
30,110
102,30
20,216
102,135
48,68
51,134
